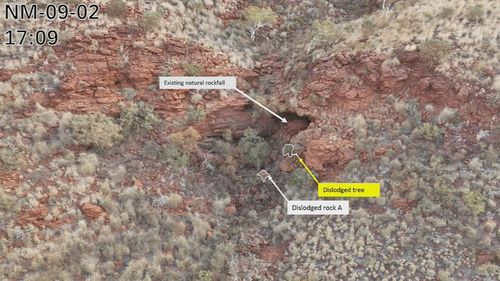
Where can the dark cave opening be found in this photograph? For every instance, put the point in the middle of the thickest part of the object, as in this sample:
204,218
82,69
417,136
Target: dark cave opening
272,127
290,116
295,124
268,126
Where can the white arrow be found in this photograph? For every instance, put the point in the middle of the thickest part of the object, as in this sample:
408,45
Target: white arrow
275,185
283,119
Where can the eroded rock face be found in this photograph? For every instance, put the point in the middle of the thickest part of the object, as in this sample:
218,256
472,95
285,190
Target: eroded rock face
345,85
334,89
100,73
345,80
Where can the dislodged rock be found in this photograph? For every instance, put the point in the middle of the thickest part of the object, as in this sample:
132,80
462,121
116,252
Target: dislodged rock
92,211
272,253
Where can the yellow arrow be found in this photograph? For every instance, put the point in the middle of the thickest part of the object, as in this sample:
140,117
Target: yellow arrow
307,169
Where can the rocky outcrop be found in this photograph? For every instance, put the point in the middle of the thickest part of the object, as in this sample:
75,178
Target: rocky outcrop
356,82
105,64
344,85
332,89
323,154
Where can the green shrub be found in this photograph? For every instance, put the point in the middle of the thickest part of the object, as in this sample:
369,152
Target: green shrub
95,130
9,159
196,98
359,125
446,13
200,227
7,201
220,204
205,275
87,164
430,131
195,114
151,20
173,156
434,51
174,200
447,115
259,16
368,26
227,135
116,8
443,275
475,13
221,147
475,201
71,2
301,179
186,140
177,152
253,148
138,117
192,69
488,269
323,32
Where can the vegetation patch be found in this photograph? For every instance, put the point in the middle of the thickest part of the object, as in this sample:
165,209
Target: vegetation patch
434,51
253,148
94,130
138,117
151,20
116,8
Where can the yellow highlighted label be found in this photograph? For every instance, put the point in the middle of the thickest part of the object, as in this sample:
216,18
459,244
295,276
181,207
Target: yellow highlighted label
342,189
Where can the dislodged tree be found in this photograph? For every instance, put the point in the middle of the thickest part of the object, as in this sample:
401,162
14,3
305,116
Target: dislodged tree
322,32
256,17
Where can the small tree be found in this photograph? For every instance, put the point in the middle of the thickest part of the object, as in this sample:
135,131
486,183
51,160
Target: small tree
256,18
323,31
